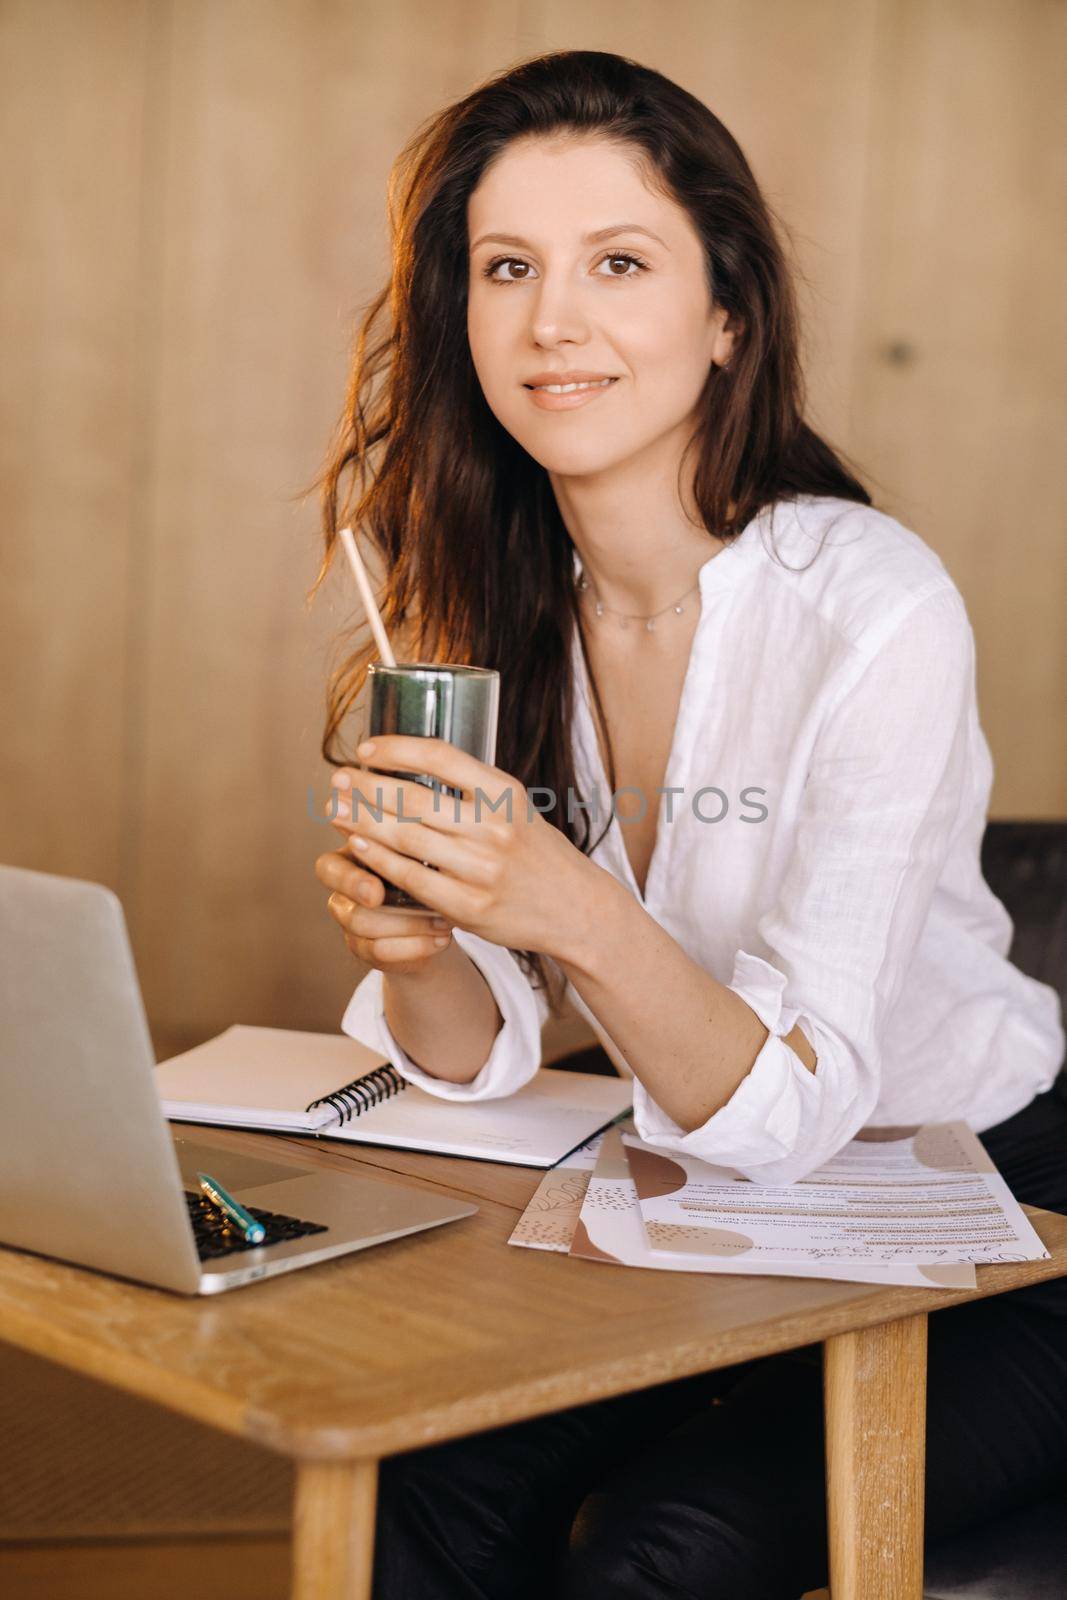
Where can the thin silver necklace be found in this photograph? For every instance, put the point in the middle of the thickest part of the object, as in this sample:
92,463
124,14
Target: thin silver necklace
626,617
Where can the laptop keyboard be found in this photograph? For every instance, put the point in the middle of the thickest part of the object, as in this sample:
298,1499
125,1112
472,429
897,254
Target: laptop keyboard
217,1236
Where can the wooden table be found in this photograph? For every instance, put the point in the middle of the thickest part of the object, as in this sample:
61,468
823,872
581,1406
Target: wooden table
450,1332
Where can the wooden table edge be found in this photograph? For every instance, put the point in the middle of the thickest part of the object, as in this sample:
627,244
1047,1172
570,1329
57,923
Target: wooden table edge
527,1397
540,1396
188,1397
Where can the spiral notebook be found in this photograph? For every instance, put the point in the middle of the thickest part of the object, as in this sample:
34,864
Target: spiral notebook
285,1081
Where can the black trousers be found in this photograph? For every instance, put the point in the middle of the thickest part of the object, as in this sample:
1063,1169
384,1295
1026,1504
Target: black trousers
712,1488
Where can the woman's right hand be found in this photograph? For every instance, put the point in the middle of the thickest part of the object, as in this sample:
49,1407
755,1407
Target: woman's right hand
397,943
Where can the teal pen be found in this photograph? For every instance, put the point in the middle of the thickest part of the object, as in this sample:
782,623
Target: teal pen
253,1231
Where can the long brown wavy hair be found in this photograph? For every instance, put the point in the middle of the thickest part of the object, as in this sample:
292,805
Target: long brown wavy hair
477,562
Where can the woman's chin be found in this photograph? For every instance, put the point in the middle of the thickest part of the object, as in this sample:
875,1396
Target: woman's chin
575,459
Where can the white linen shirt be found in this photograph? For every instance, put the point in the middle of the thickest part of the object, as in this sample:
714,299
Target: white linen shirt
832,669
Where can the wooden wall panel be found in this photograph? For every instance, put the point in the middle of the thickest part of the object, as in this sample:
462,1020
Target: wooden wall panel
960,392
71,380
281,122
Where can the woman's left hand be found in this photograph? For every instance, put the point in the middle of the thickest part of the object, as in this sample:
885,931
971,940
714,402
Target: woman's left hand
502,871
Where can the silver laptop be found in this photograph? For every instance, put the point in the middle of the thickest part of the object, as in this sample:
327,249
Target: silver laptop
89,1169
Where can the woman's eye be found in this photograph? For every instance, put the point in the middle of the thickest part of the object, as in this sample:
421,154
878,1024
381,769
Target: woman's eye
505,261
630,261
612,262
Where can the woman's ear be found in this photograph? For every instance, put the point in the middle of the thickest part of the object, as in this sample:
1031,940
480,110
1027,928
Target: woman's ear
727,335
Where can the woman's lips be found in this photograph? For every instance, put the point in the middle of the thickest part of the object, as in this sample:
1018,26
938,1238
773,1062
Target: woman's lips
568,402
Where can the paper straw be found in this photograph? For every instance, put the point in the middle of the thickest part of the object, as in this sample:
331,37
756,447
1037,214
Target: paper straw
370,605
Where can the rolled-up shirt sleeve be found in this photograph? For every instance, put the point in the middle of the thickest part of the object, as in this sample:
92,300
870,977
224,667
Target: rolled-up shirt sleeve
516,1051
889,775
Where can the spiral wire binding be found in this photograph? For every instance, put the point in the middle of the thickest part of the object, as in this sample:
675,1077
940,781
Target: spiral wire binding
363,1092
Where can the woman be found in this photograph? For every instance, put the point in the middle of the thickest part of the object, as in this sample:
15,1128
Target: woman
591,471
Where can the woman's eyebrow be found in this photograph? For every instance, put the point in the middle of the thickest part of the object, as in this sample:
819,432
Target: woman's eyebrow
590,238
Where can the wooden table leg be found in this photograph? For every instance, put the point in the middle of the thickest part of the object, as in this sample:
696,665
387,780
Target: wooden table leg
874,1391
333,1529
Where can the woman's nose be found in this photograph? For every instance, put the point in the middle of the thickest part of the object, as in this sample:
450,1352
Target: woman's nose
557,314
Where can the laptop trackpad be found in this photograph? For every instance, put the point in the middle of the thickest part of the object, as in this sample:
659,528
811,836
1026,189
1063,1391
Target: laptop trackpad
232,1168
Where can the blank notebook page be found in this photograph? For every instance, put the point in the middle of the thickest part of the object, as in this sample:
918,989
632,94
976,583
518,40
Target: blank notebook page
266,1078
270,1075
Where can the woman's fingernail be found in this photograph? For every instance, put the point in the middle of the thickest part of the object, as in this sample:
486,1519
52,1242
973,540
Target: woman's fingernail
441,939
341,780
438,922
366,748
357,843
344,811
